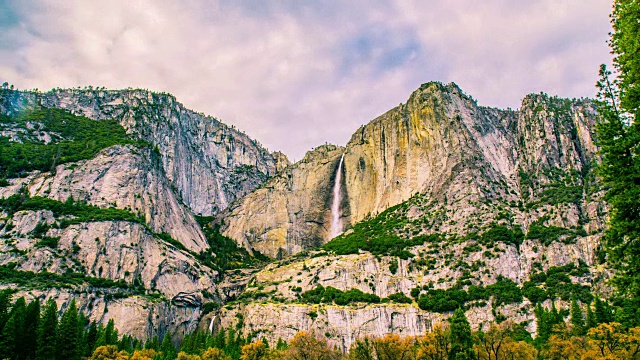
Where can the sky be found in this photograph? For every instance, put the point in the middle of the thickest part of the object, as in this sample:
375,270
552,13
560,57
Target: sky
297,74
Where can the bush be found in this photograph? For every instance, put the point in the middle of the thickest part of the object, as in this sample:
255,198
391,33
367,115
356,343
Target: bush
48,241
328,295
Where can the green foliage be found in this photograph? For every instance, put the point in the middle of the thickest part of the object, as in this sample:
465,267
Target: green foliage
79,210
67,347
224,252
77,138
577,320
603,313
500,233
439,300
618,138
378,236
503,291
47,331
48,241
546,320
460,337
550,234
46,280
399,298
556,283
329,295
229,341
393,266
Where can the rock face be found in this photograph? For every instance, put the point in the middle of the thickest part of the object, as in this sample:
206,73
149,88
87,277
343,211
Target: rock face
209,163
439,167
131,271
123,177
290,212
439,164
442,145
160,279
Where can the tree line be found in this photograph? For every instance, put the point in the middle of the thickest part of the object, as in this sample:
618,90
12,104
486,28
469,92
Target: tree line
604,332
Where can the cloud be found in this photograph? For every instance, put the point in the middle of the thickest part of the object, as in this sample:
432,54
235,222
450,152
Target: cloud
295,74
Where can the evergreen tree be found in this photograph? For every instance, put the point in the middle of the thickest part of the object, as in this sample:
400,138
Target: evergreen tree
92,336
602,313
627,315
47,332
167,348
82,335
68,334
152,344
591,318
29,343
11,334
5,297
618,135
577,320
460,337
281,345
8,339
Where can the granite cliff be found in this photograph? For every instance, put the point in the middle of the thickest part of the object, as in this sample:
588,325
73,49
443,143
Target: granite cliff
443,202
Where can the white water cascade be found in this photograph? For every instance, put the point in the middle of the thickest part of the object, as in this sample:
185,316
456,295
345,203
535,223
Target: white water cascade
336,221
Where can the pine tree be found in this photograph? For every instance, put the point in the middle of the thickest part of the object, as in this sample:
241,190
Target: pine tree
627,316
167,348
68,334
281,345
591,318
13,330
8,339
460,337
618,135
5,297
602,313
29,343
48,332
577,320
92,336
152,344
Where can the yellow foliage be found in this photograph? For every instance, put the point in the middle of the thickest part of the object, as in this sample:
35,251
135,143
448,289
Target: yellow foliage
393,347
305,346
215,354
184,356
109,352
145,354
255,351
434,345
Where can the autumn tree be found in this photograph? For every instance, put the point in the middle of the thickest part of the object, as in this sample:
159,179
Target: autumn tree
144,354
184,356
306,346
257,350
434,345
108,352
393,347
214,354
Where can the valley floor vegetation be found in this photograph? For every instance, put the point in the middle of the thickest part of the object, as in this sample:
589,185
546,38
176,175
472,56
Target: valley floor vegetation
29,332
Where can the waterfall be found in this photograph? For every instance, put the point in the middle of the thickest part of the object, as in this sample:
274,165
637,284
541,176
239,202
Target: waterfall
336,221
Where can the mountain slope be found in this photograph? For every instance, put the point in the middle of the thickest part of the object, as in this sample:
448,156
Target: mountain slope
88,210
442,145
209,163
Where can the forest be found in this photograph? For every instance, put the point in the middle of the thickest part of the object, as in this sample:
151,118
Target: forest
606,332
